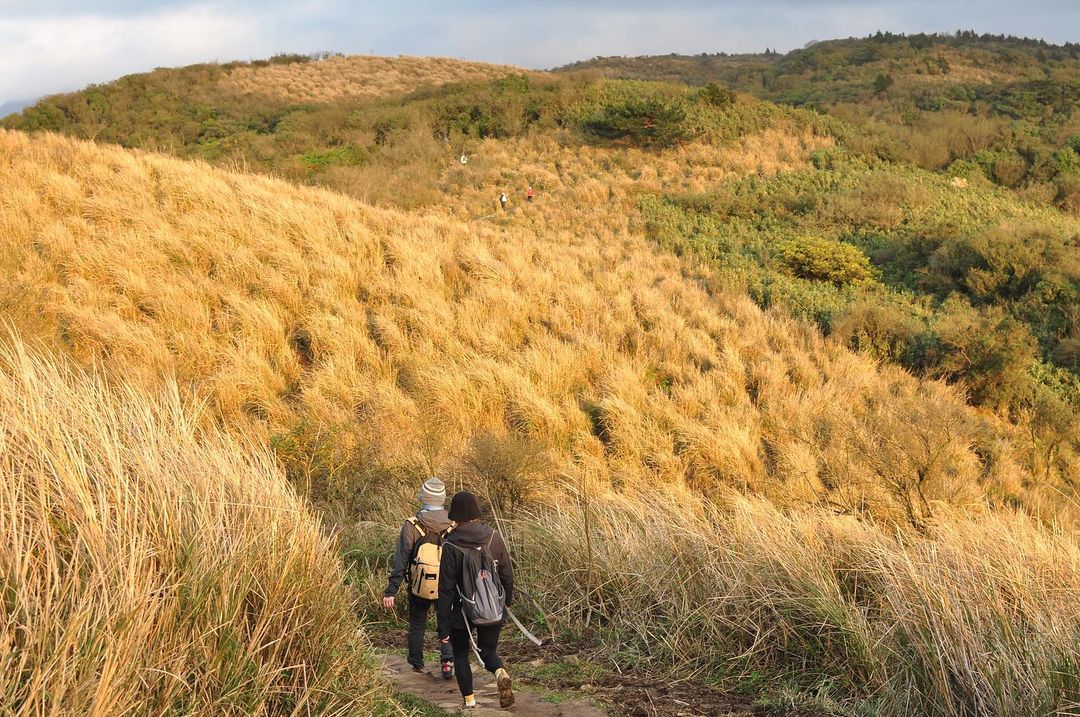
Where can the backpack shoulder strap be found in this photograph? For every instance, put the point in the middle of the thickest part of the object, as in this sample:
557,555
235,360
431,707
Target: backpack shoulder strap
491,538
416,524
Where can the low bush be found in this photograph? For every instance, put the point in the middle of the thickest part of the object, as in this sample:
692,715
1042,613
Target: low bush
647,121
991,352
824,260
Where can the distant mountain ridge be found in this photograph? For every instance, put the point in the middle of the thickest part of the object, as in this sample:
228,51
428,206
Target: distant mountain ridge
745,70
13,106
1005,104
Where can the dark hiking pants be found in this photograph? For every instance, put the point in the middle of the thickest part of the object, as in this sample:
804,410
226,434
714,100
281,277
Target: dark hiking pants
487,641
418,611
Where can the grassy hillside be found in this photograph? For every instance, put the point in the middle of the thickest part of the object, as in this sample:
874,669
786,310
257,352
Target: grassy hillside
906,285
334,78
390,148
154,565
571,376
750,400
321,319
1003,107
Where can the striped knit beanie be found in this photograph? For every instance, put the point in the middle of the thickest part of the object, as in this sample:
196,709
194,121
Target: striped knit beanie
433,492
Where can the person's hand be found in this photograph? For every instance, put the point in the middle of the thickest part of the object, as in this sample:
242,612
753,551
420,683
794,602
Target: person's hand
388,602
444,640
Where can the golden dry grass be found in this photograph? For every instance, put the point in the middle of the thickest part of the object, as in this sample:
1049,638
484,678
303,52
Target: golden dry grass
337,78
277,302
150,567
377,344
976,616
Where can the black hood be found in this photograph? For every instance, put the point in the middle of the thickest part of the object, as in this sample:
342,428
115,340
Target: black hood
472,534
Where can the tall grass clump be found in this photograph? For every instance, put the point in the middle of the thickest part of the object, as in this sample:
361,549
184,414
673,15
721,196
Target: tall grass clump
972,616
151,566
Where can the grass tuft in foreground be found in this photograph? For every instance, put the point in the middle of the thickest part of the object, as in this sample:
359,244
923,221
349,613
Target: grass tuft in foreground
151,566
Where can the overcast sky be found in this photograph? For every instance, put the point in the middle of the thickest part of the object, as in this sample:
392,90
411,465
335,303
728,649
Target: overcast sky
57,45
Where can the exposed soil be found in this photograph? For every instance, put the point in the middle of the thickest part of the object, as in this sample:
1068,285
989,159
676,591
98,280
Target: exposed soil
634,693
444,693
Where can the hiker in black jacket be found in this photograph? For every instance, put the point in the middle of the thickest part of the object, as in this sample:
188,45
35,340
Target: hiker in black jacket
430,520
469,535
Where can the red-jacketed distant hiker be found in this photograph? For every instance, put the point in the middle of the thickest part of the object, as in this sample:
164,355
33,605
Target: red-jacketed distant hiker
416,560
529,194
476,586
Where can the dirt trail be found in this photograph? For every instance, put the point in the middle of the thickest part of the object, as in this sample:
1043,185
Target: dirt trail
444,693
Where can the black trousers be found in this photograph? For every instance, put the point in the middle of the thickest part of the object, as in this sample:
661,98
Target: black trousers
418,611
487,641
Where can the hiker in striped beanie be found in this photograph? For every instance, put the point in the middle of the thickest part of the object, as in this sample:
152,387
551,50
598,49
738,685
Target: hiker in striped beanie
416,561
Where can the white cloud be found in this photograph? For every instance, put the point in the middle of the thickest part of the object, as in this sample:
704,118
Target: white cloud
45,54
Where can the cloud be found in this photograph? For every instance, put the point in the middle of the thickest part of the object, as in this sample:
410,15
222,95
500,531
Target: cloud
50,53
58,45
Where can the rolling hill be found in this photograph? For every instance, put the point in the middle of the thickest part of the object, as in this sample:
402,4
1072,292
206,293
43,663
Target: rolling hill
1001,106
633,369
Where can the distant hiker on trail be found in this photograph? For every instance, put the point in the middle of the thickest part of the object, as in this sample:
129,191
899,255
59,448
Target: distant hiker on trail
416,560
503,199
475,589
529,194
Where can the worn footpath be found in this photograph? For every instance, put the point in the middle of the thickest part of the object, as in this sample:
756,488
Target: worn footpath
444,694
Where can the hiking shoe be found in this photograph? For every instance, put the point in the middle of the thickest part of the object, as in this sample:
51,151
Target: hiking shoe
506,689
418,668
448,670
470,702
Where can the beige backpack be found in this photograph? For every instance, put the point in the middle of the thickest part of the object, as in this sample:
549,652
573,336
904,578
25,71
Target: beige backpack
424,568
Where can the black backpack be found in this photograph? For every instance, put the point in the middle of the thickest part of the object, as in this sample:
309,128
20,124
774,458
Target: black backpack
483,599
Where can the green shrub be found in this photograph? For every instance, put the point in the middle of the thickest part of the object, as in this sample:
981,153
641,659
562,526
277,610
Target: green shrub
1067,161
990,351
514,82
645,121
350,155
883,331
824,259
715,95
289,58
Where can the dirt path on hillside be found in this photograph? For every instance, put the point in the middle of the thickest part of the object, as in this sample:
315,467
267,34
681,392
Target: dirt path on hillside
632,693
444,693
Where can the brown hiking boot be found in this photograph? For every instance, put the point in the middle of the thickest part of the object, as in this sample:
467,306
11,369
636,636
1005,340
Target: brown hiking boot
506,688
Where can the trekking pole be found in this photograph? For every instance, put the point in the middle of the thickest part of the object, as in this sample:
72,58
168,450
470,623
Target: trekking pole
543,616
532,638
472,640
